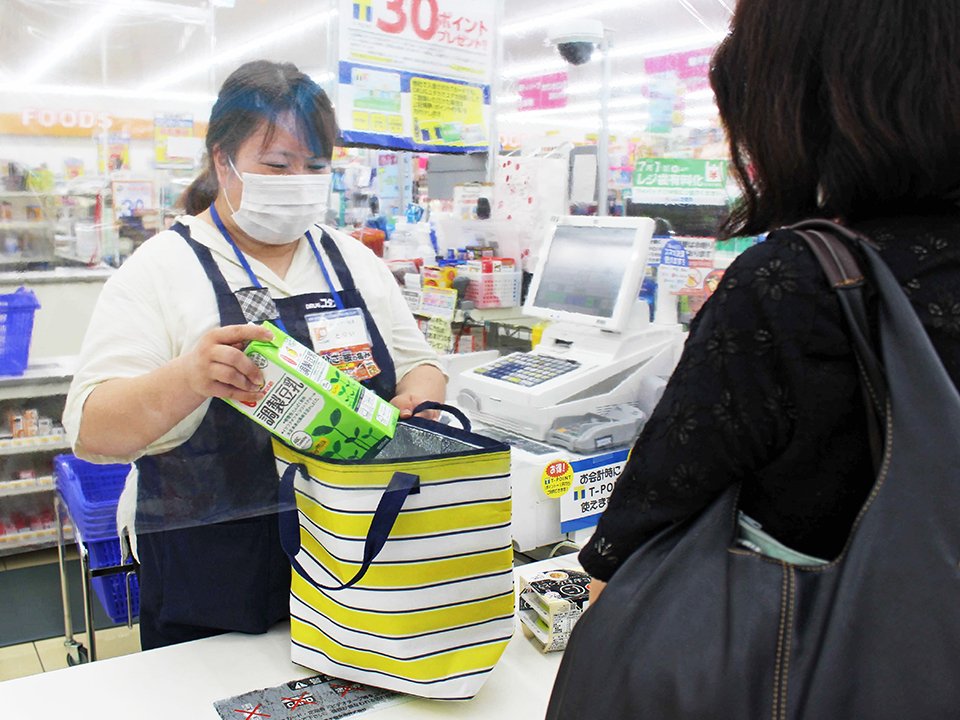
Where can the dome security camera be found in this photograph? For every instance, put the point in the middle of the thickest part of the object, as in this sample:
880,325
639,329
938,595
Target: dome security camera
576,41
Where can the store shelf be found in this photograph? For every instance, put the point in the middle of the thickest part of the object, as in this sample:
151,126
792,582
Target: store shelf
18,259
72,274
13,543
10,488
513,315
24,225
26,503
18,446
72,257
17,193
48,376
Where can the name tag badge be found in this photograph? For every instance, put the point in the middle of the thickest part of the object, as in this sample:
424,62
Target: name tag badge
340,337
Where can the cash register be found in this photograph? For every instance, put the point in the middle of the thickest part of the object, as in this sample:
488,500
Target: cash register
599,351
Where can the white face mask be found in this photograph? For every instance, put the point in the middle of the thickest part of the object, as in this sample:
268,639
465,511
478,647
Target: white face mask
279,209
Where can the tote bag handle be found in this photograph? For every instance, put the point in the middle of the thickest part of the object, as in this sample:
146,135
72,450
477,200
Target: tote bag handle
450,409
388,509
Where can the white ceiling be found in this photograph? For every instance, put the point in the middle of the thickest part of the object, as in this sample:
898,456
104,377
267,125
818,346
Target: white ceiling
145,40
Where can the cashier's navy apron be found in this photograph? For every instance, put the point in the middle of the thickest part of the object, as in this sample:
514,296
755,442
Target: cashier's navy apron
222,569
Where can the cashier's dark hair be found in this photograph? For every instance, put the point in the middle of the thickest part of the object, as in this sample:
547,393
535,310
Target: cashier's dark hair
259,92
840,108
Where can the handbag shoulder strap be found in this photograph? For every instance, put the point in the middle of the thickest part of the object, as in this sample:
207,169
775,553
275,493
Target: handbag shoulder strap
845,276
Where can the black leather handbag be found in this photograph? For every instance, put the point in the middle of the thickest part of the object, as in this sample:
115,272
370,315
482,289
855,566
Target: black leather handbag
694,627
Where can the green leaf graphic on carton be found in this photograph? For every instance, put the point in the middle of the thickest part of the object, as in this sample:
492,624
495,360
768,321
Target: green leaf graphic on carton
337,430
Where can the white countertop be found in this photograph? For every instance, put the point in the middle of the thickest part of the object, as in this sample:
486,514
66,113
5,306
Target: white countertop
183,681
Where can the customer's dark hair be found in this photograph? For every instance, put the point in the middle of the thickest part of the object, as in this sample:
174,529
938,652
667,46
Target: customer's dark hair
839,108
255,93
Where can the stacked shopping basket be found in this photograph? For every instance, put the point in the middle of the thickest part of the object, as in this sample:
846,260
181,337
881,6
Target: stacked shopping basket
90,493
16,330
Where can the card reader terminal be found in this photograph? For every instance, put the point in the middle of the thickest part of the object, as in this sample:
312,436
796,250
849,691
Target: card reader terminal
610,426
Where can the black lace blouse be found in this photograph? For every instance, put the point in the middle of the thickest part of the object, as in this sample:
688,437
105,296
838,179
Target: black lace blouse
767,393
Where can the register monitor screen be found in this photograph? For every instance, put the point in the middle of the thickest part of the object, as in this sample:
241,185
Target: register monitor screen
590,271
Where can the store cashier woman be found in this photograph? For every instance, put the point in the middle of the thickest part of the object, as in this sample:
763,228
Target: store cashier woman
167,336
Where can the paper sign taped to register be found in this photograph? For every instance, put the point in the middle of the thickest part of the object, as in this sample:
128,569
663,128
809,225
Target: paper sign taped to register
593,481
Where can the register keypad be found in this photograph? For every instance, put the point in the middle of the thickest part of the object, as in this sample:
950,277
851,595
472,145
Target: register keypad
527,369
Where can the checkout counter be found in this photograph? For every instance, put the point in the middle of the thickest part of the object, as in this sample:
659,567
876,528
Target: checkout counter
184,681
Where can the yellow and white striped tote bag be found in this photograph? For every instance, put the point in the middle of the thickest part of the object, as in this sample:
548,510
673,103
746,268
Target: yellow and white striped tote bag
402,568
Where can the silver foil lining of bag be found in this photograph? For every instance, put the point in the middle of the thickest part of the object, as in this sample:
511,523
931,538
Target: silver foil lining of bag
411,441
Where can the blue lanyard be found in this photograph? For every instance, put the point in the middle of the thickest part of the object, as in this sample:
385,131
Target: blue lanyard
323,268
253,278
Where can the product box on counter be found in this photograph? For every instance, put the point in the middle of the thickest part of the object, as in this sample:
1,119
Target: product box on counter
310,404
550,604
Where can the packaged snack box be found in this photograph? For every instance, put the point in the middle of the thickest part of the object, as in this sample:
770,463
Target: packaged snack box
311,405
550,604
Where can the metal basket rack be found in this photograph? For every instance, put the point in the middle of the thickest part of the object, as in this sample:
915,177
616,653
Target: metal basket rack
86,498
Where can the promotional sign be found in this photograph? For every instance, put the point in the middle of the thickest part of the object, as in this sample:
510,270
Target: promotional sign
437,302
166,130
113,152
543,92
689,65
698,251
415,74
672,77
588,494
132,197
680,181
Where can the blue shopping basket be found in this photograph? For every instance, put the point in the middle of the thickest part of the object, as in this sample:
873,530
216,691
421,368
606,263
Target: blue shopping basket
91,493
16,329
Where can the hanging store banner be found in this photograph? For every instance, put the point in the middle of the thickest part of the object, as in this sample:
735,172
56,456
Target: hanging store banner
544,92
680,181
415,74
690,65
672,78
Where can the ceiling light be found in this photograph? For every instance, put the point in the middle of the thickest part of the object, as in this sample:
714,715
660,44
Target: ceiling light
169,10
59,49
289,29
586,10
106,92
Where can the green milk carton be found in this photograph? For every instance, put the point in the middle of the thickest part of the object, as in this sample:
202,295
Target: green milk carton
310,404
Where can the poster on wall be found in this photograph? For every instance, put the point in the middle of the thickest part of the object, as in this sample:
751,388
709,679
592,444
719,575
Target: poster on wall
167,131
113,152
415,74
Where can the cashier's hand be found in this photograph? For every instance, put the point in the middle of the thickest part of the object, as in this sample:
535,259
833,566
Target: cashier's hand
406,402
596,587
217,366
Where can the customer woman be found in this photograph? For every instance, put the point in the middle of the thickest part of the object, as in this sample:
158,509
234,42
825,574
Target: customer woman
838,109
165,344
